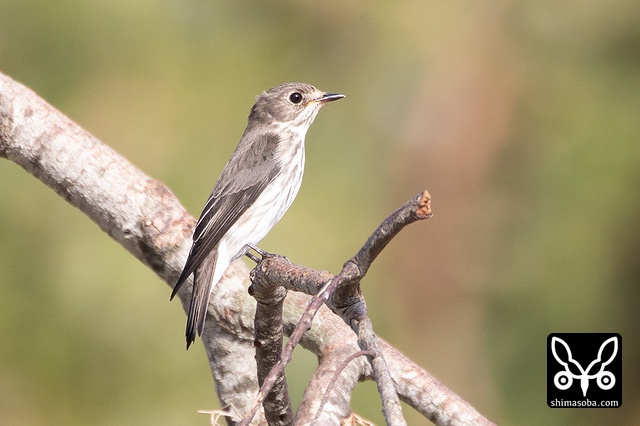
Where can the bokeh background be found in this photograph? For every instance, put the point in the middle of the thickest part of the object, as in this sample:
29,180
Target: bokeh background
521,118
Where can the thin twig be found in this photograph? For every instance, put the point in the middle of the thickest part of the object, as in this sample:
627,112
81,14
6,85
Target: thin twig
391,407
335,377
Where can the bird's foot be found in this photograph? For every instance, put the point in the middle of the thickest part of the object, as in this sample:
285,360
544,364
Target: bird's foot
258,250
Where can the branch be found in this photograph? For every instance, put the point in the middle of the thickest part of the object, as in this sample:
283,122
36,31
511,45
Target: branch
268,342
342,295
143,216
138,212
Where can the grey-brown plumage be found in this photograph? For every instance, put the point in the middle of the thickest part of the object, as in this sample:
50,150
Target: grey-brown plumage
254,190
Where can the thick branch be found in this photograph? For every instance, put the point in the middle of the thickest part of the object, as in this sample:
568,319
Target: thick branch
146,218
138,212
268,341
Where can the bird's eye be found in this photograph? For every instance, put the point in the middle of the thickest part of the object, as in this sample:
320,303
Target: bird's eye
295,97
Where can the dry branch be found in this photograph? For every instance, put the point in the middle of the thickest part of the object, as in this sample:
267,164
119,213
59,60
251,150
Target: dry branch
342,294
143,216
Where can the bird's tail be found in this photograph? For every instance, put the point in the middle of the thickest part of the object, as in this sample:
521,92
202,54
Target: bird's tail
202,285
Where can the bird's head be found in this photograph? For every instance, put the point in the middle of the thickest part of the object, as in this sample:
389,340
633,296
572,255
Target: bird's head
290,104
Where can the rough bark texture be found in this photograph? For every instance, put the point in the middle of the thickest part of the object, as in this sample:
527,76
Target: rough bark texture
143,216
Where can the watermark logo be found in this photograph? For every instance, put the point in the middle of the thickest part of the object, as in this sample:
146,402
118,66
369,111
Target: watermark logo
584,370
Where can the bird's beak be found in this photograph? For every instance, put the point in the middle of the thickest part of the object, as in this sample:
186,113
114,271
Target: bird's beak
328,97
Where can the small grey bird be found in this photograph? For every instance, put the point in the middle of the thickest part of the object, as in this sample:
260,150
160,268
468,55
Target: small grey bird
255,189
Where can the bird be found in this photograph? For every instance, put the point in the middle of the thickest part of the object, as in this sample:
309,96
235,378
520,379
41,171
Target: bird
256,187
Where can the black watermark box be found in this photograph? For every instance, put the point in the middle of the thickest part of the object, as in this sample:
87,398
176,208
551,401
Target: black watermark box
584,370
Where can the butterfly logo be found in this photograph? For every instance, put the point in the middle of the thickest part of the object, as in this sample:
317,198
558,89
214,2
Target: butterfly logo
573,370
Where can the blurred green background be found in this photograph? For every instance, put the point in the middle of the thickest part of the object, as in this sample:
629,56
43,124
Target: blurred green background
521,118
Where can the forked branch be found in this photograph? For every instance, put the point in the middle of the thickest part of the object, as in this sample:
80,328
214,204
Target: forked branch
143,216
342,295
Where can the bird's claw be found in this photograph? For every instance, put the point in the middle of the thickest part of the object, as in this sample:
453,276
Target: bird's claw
258,250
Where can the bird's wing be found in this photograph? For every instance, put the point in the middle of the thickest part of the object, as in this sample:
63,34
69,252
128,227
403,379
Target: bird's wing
251,168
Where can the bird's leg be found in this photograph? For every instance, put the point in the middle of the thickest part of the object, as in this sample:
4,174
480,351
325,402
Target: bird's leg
252,257
258,250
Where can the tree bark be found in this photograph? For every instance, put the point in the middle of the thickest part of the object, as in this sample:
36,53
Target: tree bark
143,216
